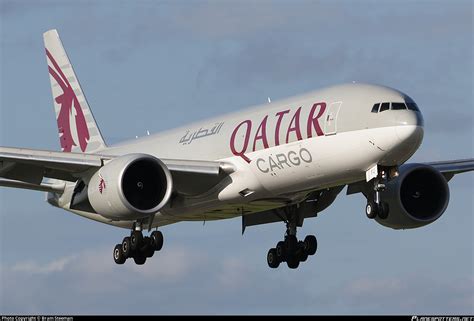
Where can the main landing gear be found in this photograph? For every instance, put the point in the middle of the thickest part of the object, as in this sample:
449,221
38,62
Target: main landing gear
138,247
292,251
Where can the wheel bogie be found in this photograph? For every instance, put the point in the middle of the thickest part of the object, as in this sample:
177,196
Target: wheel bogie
292,251
138,247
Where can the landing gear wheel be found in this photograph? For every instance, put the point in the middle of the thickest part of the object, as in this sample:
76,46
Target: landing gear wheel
371,209
272,259
147,248
383,210
281,251
293,262
126,247
157,240
136,240
149,252
302,254
119,258
310,244
139,259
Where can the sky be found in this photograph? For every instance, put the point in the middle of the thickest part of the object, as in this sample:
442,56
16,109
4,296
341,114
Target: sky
154,65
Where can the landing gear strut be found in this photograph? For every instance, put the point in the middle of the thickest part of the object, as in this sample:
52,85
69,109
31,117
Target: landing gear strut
138,247
375,206
290,250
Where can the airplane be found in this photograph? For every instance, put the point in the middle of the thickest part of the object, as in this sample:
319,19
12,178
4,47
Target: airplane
284,161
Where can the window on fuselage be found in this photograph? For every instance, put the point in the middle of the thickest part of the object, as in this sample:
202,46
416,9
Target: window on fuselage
398,106
384,107
375,109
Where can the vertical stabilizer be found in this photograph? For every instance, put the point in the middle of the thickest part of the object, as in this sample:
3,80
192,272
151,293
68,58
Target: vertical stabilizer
78,131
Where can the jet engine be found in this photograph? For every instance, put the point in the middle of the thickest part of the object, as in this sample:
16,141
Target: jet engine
417,197
130,187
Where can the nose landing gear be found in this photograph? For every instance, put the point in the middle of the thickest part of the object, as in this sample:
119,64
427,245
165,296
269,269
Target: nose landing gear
375,206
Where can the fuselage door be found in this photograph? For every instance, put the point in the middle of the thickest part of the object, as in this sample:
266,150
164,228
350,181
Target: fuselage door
330,126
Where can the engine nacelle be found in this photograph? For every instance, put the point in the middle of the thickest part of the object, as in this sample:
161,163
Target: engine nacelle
130,187
417,197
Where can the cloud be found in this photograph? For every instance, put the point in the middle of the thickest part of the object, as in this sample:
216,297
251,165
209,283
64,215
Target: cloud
413,293
185,280
365,286
174,264
32,267
234,274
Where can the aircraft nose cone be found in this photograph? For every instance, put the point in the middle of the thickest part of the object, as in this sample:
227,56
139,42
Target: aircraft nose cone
410,128
410,118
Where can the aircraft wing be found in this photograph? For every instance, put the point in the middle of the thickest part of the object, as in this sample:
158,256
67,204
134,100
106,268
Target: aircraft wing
453,167
26,168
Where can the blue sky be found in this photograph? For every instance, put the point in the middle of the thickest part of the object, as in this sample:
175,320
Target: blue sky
151,65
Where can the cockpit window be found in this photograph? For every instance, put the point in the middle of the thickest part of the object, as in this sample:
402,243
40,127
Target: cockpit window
384,107
398,106
411,104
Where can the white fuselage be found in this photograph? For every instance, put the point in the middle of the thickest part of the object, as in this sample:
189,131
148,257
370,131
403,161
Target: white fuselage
283,150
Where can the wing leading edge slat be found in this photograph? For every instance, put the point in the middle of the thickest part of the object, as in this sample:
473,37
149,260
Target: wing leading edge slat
26,168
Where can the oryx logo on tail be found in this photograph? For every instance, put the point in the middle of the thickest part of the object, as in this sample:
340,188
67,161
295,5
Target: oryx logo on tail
70,109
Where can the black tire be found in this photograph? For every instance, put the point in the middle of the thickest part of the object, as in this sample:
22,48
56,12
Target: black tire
281,251
126,247
136,240
302,255
383,210
157,240
272,259
119,258
146,243
293,262
371,209
139,259
310,244
147,248
149,252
